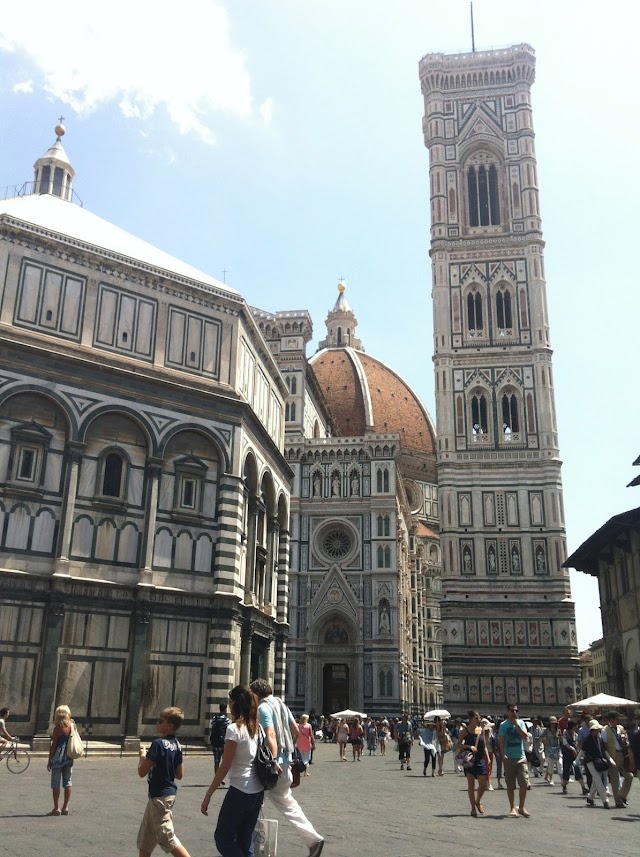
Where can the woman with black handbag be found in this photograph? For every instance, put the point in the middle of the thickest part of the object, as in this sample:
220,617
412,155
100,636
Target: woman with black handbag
241,805
597,760
471,741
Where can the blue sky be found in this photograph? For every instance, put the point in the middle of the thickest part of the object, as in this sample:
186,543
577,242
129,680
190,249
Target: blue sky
281,140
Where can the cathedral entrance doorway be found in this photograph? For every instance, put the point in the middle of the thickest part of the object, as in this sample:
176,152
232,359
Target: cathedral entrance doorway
259,665
335,693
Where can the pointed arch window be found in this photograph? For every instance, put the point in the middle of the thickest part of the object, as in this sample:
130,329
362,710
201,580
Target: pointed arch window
383,526
483,194
479,419
504,315
384,556
510,416
474,311
339,336
382,480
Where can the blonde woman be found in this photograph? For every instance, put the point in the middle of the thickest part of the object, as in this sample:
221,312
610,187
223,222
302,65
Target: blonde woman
342,739
306,741
59,763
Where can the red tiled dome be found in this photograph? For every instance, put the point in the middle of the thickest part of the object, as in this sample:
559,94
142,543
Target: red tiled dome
365,395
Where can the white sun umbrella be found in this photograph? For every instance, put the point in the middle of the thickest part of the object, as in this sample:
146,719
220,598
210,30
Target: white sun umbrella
347,714
604,700
437,712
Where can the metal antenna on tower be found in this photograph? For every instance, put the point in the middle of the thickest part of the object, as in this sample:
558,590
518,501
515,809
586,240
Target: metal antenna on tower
473,37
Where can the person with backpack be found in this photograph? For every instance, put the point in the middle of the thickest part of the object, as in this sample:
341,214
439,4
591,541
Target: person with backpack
281,734
219,723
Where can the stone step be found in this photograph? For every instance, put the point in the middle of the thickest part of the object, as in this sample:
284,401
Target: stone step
115,749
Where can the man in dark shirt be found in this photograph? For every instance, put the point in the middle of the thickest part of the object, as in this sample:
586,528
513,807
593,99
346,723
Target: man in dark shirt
219,723
162,765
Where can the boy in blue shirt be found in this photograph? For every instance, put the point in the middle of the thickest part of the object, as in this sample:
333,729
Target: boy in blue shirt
162,765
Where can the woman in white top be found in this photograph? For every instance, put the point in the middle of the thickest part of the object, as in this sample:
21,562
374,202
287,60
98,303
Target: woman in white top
241,805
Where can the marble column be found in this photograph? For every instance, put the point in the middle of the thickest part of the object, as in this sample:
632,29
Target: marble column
280,663
154,474
52,639
245,652
73,457
138,647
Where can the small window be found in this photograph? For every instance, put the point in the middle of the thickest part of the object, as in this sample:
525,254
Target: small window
28,458
188,493
189,483
29,444
112,475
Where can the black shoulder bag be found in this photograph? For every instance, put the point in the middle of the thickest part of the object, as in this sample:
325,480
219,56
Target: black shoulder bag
265,764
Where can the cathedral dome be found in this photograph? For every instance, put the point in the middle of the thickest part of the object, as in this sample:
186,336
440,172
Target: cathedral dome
364,395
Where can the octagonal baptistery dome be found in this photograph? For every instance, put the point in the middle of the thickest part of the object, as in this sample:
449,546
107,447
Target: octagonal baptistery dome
364,395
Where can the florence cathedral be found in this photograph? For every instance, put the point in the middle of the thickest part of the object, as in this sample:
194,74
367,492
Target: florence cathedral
188,499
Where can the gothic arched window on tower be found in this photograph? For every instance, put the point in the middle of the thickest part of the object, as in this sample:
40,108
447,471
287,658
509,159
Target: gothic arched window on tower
474,311
484,196
504,315
382,480
510,416
479,419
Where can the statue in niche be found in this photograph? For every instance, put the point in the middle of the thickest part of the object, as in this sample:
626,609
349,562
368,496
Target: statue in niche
491,559
336,635
355,485
467,564
515,560
384,620
317,485
507,433
335,485
541,563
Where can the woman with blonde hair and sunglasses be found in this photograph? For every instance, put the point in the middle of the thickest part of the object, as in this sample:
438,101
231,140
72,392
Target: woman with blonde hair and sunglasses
59,763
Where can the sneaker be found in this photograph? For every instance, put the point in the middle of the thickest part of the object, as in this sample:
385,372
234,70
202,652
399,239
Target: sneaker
490,788
551,783
500,786
590,802
408,767
316,850
606,804
564,790
402,767
424,772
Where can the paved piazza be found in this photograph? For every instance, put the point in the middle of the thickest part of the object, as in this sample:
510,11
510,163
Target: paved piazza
366,809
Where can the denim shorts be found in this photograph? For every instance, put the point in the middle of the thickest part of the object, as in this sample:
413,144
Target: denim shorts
64,773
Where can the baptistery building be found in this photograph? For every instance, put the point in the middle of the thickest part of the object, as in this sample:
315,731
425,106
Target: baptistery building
144,492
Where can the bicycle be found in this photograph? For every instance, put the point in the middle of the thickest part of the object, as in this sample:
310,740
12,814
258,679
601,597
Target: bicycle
17,759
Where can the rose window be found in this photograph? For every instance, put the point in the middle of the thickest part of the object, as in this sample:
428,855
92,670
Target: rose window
336,544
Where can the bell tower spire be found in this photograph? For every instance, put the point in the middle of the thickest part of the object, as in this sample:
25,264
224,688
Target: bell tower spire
53,173
341,324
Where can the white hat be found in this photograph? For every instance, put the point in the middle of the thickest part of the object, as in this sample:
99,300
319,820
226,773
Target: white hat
593,724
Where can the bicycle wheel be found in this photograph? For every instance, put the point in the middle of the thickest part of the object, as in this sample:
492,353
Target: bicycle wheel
18,761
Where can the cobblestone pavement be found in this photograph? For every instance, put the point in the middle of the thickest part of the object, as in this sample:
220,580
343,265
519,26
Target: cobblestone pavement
363,809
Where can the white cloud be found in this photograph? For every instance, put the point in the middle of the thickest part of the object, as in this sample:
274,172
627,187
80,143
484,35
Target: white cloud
141,54
24,86
266,111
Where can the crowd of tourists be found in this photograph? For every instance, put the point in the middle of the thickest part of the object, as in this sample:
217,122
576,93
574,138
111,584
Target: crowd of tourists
263,750
599,755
